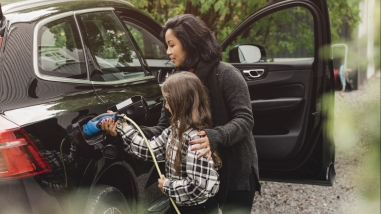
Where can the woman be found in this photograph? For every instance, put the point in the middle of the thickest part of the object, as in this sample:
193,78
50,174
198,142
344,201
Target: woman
192,47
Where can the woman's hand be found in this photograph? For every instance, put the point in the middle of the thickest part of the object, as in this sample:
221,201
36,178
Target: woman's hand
204,144
160,182
109,125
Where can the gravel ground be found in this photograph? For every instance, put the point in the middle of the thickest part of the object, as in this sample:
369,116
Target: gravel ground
344,196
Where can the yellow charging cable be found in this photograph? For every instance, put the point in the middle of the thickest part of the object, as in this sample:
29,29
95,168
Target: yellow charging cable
149,148
63,162
153,156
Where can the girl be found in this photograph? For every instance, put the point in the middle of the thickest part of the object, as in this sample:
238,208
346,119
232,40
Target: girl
190,181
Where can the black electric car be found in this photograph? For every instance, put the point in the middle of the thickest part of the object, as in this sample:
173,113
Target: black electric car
64,62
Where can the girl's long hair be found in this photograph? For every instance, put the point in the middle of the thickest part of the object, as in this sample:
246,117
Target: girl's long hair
188,100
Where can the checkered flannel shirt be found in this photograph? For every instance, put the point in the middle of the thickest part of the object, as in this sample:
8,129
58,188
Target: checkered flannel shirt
199,179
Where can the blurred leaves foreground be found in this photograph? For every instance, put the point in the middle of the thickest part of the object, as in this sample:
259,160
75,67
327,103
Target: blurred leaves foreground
357,129
357,134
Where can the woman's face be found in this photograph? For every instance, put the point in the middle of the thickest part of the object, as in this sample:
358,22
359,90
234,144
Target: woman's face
175,49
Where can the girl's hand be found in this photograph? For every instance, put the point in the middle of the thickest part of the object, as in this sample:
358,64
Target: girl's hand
160,182
109,125
204,144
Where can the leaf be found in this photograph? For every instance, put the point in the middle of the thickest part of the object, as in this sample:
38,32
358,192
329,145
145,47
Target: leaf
218,6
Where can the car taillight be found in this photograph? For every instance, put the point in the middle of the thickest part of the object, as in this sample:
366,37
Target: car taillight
19,157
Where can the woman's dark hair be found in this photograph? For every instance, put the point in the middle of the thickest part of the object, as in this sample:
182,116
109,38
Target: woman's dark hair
198,41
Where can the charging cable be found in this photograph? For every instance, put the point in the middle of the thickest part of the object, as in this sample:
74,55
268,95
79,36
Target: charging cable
63,161
153,156
149,148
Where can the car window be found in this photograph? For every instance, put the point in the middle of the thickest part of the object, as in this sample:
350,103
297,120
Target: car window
286,35
151,47
110,47
60,51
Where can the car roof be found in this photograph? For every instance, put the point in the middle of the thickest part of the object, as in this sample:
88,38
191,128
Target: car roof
30,10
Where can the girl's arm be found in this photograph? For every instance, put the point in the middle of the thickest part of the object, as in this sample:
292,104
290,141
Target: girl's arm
134,143
201,182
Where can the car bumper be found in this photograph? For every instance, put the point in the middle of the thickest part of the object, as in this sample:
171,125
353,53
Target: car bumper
25,196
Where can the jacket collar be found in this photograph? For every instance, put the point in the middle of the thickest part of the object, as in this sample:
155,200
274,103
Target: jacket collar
204,68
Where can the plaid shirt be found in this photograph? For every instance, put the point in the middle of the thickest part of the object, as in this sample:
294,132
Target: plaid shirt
199,180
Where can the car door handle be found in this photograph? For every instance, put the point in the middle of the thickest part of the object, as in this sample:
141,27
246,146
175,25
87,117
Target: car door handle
254,73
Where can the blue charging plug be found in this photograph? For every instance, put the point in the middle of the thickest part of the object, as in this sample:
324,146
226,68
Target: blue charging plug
92,127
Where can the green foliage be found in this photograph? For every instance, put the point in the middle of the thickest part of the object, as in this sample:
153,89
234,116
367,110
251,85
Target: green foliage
63,35
281,33
106,37
222,16
343,12
59,35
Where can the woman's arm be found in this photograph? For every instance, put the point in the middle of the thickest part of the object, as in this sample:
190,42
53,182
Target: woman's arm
201,182
163,123
237,100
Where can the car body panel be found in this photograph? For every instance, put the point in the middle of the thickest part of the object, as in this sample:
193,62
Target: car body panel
47,108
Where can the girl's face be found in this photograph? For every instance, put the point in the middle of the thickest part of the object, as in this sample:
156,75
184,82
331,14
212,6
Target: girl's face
175,49
167,105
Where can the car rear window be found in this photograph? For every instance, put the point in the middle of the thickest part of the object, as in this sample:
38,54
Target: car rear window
60,51
110,46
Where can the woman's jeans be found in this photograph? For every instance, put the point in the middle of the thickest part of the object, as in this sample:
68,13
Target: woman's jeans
240,202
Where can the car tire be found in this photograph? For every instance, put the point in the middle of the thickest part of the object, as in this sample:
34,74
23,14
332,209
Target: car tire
105,199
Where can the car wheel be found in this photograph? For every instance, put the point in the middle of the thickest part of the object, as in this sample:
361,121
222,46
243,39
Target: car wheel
105,199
